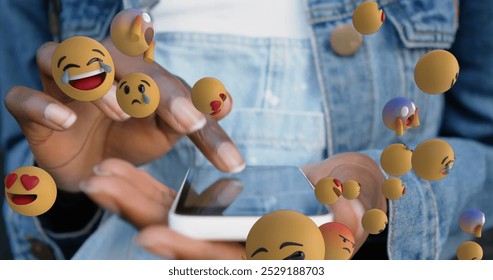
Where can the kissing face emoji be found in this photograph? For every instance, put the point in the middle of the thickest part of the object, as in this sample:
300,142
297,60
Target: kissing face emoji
328,190
210,97
433,159
138,95
82,68
30,190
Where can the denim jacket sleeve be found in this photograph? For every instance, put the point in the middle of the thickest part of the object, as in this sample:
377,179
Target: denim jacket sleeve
425,224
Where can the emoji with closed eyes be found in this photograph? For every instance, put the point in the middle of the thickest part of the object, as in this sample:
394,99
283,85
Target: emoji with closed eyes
400,114
328,190
82,68
284,235
30,191
138,95
132,32
210,97
433,159
339,241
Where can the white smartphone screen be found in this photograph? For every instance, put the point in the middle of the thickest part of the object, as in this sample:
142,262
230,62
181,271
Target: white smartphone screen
255,191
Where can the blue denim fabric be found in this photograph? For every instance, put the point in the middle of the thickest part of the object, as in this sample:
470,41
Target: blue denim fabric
297,102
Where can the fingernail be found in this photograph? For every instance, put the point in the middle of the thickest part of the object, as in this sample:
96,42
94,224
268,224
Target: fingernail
230,157
186,115
89,188
97,171
151,243
60,116
110,100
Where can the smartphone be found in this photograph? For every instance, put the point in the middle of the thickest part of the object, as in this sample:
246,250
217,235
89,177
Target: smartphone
222,206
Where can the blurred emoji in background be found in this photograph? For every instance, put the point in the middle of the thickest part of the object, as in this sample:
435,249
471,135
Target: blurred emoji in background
132,32
393,188
368,18
210,97
469,250
436,72
351,189
339,241
328,190
82,68
432,159
284,235
396,159
400,114
30,191
138,95
374,221
472,221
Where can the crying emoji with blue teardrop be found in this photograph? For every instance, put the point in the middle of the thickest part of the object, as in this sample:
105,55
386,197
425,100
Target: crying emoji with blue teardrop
138,95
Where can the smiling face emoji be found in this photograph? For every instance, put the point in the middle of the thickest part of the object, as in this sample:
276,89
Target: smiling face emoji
374,221
328,190
432,159
210,97
339,241
400,114
132,32
284,235
82,68
30,190
436,71
138,95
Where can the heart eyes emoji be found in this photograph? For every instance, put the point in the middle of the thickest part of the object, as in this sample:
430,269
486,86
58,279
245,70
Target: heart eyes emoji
10,180
28,182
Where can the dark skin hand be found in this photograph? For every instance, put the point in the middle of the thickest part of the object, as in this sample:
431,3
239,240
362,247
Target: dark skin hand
69,137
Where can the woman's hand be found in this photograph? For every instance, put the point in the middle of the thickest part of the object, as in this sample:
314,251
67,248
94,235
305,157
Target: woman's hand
363,169
69,137
144,202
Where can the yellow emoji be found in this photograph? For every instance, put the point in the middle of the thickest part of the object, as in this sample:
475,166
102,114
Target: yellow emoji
393,188
82,68
432,159
132,32
284,235
436,71
328,190
374,221
351,189
396,159
339,241
368,18
469,250
138,95
210,97
30,190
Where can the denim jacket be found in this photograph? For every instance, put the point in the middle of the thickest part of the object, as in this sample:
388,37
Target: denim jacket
296,102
